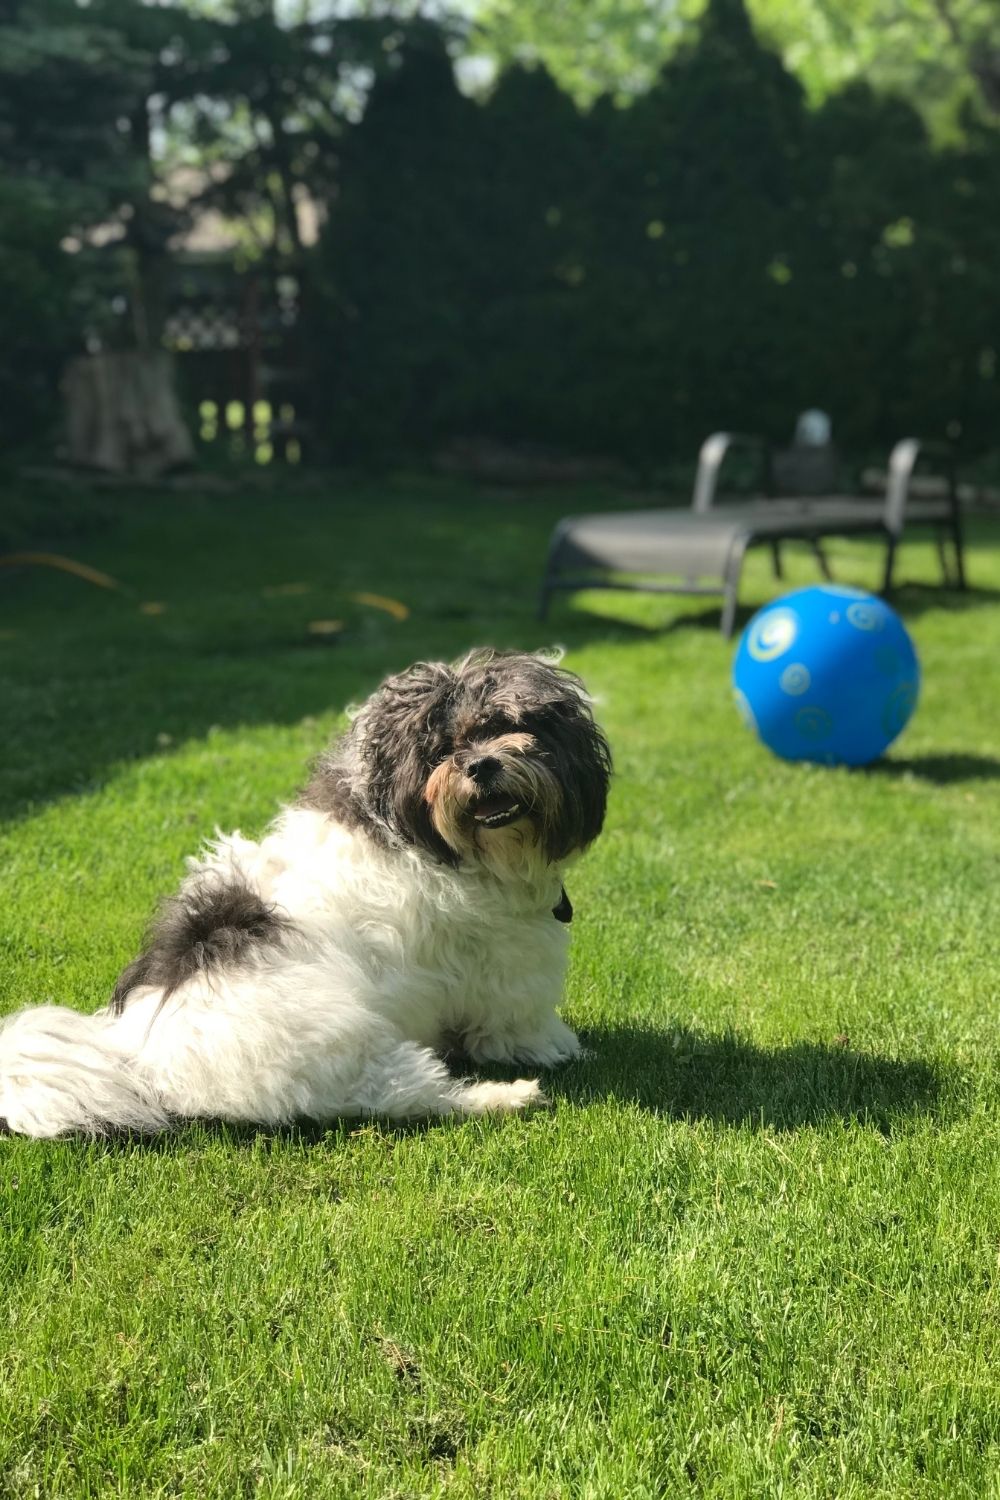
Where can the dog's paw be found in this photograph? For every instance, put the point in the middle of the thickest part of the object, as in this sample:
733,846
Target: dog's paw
548,1047
548,1052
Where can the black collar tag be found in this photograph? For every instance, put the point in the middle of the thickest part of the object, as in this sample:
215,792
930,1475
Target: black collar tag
563,912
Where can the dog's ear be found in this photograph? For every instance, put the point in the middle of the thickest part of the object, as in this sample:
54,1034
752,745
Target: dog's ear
562,717
582,760
374,776
421,690
402,733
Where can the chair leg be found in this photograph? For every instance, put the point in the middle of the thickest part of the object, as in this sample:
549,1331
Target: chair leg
731,585
776,560
890,559
824,566
939,536
958,544
728,611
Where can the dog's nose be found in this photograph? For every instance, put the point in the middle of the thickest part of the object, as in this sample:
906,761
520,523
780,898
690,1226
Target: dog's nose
483,770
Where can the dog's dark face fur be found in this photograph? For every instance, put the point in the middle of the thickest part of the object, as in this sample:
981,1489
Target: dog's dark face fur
496,759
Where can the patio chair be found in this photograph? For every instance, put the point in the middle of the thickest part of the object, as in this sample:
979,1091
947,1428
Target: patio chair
700,551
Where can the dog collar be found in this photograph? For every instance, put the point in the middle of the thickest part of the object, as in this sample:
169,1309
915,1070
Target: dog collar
563,910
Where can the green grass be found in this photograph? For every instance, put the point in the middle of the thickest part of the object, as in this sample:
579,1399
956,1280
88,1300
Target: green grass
753,1250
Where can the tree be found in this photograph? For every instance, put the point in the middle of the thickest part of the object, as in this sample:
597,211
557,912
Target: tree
591,47
66,166
397,265
626,279
90,210
693,212
940,54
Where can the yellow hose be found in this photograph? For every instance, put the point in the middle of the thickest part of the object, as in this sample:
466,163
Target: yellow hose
64,564
379,601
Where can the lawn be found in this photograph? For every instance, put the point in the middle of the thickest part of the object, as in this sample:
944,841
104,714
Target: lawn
753,1248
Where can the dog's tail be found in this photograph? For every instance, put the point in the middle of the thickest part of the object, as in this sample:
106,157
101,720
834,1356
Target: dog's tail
62,1072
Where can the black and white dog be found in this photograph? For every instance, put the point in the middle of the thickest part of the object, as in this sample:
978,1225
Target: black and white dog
410,900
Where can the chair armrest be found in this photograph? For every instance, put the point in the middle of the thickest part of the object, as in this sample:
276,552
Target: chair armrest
902,462
713,451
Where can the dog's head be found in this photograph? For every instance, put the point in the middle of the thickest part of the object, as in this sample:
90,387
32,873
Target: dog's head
496,759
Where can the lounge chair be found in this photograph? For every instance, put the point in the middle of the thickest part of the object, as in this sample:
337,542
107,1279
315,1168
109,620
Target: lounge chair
700,551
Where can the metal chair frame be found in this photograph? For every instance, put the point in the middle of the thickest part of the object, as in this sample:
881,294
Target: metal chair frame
729,530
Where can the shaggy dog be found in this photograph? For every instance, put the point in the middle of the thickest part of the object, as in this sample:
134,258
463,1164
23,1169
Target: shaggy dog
410,900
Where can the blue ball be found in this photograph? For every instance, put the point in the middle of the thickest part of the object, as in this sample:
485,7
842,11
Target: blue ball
827,674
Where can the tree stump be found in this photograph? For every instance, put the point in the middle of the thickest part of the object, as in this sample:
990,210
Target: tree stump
122,414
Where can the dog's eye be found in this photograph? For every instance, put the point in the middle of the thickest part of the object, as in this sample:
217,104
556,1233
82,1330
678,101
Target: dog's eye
493,727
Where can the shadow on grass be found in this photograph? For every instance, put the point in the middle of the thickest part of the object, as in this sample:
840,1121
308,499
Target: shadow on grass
909,600
680,1074
941,769
698,617
688,1075
187,1137
201,685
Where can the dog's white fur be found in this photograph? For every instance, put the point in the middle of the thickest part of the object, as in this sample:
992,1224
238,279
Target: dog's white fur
391,956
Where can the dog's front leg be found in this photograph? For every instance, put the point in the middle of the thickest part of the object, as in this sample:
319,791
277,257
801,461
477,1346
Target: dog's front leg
545,1041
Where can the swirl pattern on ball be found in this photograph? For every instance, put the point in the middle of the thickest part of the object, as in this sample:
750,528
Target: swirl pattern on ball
795,679
771,635
813,722
744,710
865,616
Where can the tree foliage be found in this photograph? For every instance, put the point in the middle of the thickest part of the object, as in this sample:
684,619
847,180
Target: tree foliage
722,250
943,55
627,279
67,82
101,106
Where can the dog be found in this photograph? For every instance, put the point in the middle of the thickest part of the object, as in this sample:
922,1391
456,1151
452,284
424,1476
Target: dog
408,903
